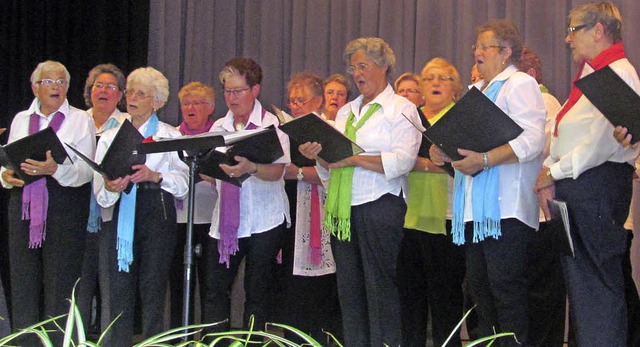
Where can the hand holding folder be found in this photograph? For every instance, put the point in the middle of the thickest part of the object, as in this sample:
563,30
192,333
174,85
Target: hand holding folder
33,147
120,156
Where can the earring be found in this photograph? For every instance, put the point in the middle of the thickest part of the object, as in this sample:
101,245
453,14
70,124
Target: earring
503,62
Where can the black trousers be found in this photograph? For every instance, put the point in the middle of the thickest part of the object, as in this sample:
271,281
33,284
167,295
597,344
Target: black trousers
366,273
88,285
153,246
430,274
497,275
202,242
42,279
598,203
260,251
547,292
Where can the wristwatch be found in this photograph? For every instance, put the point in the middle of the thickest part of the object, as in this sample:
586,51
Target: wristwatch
300,176
159,177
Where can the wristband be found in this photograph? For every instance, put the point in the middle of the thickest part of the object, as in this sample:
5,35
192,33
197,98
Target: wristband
485,161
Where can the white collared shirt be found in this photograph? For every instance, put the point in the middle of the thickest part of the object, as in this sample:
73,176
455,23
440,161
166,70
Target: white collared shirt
387,134
117,114
520,98
263,204
585,137
77,130
175,173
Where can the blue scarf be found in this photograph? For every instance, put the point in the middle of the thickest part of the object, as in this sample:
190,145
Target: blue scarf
484,196
127,213
93,225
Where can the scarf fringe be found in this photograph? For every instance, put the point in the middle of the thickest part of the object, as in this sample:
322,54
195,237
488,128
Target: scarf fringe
227,248
340,228
486,228
125,254
37,234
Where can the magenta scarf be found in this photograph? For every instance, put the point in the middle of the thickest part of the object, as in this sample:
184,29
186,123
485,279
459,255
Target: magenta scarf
185,130
35,196
230,215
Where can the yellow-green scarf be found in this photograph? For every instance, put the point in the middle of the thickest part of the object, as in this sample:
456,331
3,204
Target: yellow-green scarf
337,216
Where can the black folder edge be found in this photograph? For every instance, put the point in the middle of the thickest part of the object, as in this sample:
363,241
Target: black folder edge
447,166
433,132
288,127
92,164
612,96
210,167
56,152
561,227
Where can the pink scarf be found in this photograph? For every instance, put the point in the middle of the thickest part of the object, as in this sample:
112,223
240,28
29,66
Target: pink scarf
35,196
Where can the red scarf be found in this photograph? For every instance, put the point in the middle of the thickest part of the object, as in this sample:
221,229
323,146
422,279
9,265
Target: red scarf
606,57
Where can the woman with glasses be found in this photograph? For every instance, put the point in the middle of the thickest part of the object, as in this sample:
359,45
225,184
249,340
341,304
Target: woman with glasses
310,297
103,93
365,207
197,103
336,93
408,86
248,221
495,212
584,155
137,245
430,267
55,206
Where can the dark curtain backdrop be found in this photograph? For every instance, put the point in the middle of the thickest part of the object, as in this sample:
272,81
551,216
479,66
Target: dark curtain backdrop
78,33
191,40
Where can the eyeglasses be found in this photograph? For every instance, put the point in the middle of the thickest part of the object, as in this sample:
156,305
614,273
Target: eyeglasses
235,92
571,30
138,93
408,90
48,82
299,102
441,78
484,48
361,66
331,93
194,103
100,85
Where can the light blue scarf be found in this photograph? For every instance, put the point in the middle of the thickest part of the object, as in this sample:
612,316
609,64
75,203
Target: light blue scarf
484,196
93,225
127,213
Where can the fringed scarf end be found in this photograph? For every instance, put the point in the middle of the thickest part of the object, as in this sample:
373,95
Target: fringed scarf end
125,254
340,228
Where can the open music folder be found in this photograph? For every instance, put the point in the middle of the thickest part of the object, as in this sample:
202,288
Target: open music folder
561,227
34,146
312,128
474,123
612,96
261,148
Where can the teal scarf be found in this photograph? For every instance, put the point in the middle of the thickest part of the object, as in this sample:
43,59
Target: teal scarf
484,196
127,213
337,216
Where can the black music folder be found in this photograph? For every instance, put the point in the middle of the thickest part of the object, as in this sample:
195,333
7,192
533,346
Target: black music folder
262,147
311,128
561,227
34,147
120,155
198,143
474,123
612,96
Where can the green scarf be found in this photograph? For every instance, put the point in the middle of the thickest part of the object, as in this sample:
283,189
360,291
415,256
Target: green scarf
337,216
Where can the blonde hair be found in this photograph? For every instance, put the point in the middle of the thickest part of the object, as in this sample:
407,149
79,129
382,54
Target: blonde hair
441,63
197,88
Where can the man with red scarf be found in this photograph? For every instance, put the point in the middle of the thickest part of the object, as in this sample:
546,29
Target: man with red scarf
592,172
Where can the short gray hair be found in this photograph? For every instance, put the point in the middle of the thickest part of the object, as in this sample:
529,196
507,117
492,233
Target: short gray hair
375,48
49,66
153,78
99,70
605,13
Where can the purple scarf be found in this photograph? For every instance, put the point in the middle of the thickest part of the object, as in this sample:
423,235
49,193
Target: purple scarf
230,215
35,196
